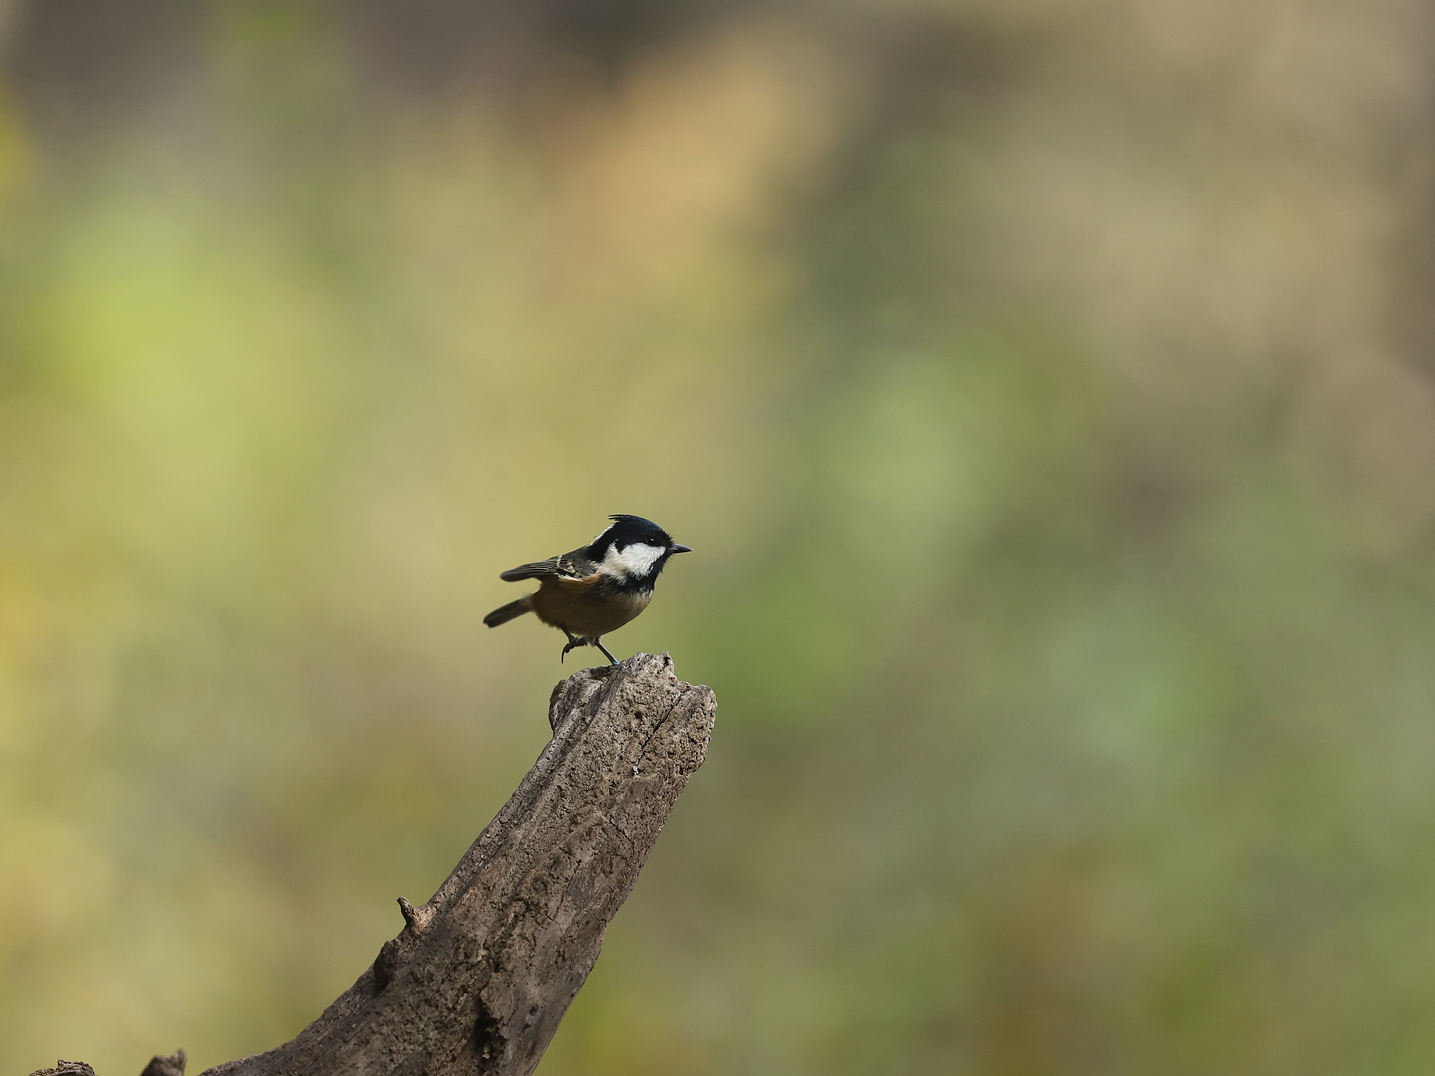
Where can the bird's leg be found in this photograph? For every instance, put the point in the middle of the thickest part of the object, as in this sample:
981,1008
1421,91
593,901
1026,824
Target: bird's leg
572,642
599,644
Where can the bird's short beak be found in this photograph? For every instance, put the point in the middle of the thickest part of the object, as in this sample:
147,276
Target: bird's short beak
680,548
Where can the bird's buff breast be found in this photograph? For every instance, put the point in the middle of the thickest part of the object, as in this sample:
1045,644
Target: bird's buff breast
586,611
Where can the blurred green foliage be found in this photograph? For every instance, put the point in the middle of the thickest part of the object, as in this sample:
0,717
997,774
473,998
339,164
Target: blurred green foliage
1045,387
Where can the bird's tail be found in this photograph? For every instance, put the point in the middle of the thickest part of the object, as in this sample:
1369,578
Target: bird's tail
504,613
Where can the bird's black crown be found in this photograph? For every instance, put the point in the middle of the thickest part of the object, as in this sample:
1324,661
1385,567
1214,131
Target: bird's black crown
628,530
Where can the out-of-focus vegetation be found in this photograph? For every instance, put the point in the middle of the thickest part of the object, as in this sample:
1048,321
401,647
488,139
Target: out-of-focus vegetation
1045,387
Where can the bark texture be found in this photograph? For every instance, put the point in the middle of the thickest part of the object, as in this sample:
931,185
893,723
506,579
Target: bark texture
480,976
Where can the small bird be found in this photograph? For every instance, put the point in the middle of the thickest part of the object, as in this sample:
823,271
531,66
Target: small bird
595,589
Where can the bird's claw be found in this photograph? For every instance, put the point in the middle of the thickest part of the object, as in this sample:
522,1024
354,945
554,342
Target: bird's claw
583,640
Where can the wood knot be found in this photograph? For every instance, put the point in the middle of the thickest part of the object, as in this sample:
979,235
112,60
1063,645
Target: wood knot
173,1065
415,918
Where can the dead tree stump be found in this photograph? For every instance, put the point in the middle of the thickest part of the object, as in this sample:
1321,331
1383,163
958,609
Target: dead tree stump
480,976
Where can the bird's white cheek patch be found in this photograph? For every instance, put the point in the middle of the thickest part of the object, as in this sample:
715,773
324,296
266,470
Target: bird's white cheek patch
636,560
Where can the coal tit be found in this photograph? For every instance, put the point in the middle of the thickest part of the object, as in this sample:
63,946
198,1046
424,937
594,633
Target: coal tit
596,589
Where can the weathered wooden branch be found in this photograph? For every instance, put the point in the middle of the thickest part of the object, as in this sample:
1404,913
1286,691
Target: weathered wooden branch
480,976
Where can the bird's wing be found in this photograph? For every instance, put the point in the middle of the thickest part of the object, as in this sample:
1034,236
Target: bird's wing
569,566
539,569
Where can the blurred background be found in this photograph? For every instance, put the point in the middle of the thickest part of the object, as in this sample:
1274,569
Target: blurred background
1045,386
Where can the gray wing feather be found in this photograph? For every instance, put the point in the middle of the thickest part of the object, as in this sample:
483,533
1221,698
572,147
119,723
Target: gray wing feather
536,570
574,565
